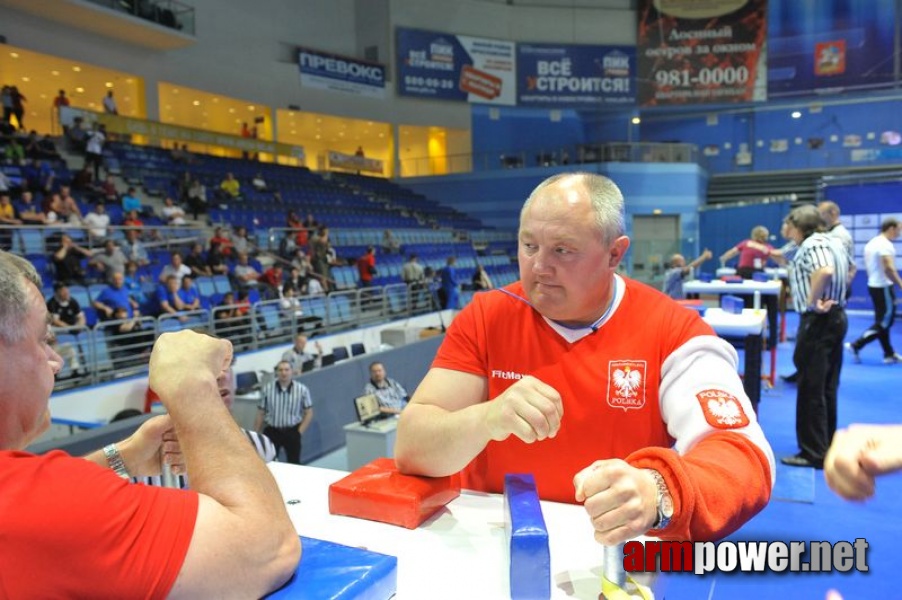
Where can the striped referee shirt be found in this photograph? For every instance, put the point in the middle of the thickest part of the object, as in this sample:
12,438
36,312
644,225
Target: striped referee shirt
815,252
262,444
285,407
390,394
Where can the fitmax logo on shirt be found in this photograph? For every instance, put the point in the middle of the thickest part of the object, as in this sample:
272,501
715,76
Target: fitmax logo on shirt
506,374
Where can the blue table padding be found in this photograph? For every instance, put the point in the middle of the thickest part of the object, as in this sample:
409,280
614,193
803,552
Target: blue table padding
530,558
335,572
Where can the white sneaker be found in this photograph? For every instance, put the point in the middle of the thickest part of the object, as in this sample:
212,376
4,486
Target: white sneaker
855,358
893,359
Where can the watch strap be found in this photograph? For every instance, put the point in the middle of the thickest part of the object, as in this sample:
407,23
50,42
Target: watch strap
114,460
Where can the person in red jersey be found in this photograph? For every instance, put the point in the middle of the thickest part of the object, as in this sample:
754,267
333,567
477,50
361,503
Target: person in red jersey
78,528
607,391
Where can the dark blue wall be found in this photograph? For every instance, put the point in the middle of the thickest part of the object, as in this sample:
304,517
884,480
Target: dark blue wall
721,228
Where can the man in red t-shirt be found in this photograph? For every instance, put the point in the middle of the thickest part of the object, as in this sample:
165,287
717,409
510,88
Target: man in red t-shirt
366,267
77,528
607,391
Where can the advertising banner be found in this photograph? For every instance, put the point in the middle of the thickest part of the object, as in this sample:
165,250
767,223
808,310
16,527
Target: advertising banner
560,76
456,67
325,71
701,51
829,47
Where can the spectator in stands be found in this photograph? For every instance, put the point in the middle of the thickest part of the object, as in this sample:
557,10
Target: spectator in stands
15,152
678,271
109,104
237,319
289,301
175,267
115,297
59,101
63,309
285,412
391,395
258,182
18,106
29,211
239,511
481,280
9,217
390,244
108,190
134,249
76,136
753,253
319,250
173,214
133,283
221,238
313,287
181,154
5,182
197,198
412,271
67,261
197,263
130,341
110,261
188,294
449,289
295,279
130,201
246,276
168,297
97,222
133,220
366,267
6,97
94,150
46,148
294,223
71,211
216,261
230,187
288,246
272,280
241,242
310,224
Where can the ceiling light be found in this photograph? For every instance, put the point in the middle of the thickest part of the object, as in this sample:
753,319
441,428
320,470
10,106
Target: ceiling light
14,54
293,132
108,84
127,98
26,79
80,90
76,69
215,99
381,135
168,107
129,80
43,96
251,108
635,120
317,136
196,103
232,111
175,90
54,72
796,114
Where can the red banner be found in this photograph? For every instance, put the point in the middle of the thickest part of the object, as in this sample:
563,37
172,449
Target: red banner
701,51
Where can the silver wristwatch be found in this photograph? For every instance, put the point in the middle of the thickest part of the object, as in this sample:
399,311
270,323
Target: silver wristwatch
664,502
114,460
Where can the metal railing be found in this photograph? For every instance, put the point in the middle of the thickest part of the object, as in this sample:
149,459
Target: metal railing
119,348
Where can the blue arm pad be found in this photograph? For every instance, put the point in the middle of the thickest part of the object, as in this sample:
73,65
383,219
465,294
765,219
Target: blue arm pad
330,571
530,559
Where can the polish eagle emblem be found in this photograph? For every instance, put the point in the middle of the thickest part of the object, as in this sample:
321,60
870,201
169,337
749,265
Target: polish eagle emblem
627,381
725,411
626,384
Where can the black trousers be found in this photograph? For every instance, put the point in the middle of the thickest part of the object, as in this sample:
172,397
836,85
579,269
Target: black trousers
884,299
818,359
288,438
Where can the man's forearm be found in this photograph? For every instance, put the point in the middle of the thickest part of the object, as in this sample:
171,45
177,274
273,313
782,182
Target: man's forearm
435,442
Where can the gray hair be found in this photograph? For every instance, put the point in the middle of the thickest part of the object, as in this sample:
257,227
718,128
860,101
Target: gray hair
806,219
605,196
14,301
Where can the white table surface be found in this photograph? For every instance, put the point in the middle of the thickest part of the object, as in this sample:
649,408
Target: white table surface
744,288
726,324
779,272
460,553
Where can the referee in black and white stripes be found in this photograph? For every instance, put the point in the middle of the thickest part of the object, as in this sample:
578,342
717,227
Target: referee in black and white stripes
818,280
285,412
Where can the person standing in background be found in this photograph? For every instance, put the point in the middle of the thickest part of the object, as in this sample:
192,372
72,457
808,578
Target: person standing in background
109,104
285,412
678,271
753,253
880,262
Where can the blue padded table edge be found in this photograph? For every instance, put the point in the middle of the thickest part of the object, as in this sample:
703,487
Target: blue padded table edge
530,557
336,572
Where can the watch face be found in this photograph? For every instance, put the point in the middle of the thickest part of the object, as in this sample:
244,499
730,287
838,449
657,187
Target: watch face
667,505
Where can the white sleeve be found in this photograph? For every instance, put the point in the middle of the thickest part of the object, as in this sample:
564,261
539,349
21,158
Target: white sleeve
703,364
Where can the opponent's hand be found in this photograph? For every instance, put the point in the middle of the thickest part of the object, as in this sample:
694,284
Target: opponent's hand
142,451
183,357
858,455
529,409
621,500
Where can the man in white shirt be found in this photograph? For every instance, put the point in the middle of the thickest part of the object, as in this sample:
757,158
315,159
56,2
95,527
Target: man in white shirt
109,104
176,268
880,262
97,221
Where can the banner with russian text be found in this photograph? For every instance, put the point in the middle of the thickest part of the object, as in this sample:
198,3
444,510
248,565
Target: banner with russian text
561,75
701,51
325,71
455,67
